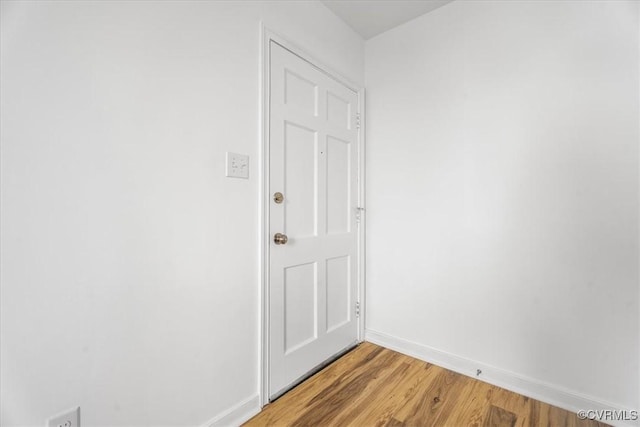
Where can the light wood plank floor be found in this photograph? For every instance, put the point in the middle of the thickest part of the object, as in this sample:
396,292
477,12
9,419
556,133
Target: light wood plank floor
374,386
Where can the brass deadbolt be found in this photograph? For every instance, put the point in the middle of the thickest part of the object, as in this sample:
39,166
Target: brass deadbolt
278,197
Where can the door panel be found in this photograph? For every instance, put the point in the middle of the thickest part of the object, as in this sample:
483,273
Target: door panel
338,112
313,162
338,278
301,166
338,185
301,295
300,93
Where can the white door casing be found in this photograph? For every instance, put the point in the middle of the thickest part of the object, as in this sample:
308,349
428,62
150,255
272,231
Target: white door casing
313,161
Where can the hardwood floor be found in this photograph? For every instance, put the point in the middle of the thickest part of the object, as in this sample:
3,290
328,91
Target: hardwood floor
374,386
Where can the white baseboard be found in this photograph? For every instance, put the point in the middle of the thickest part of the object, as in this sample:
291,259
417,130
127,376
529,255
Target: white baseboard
237,414
548,393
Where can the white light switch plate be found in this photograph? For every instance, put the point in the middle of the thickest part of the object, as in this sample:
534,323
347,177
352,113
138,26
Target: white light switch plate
237,165
70,418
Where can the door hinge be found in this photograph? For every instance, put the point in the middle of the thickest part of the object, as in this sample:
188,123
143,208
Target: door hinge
359,211
357,308
358,120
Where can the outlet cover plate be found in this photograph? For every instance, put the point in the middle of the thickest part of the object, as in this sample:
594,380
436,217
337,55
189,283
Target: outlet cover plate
70,418
237,165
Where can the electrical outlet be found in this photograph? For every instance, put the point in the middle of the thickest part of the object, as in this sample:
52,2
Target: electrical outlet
71,418
237,165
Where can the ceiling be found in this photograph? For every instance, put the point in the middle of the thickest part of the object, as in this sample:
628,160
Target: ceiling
372,17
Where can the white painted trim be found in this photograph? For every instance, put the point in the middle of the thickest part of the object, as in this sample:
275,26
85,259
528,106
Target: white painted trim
238,414
266,36
269,35
263,187
544,392
362,202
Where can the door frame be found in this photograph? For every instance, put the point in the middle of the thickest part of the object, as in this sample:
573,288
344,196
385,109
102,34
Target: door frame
266,37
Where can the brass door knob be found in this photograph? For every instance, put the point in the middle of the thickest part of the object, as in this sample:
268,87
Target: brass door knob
280,239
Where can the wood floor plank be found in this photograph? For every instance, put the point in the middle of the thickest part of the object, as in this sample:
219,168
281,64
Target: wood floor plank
376,387
341,394
347,393
294,403
499,417
514,403
562,418
397,389
539,414
394,423
411,392
435,402
474,412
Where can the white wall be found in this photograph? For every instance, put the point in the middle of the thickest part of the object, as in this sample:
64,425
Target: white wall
130,279
503,190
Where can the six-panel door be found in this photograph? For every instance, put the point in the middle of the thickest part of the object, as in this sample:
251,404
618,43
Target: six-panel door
314,164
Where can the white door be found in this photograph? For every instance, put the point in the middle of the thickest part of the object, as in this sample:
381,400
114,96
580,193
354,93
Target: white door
313,163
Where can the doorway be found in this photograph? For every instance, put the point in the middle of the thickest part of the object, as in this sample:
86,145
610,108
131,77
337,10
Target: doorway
313,226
